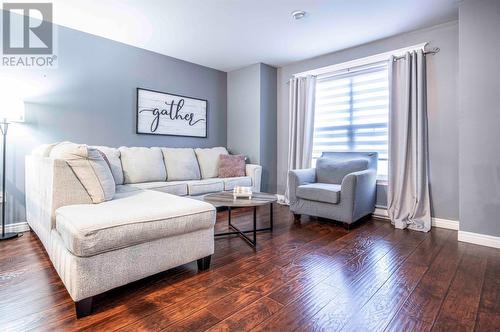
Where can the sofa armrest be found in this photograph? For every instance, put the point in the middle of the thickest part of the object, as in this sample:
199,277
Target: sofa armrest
50,184
255,172
360,190
299,177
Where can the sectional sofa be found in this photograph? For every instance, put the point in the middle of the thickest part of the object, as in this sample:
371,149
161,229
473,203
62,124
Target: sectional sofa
151,224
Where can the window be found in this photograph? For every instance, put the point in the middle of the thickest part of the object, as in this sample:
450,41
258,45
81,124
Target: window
352,114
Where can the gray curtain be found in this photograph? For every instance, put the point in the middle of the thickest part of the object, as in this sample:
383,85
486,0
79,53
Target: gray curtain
408,188
300,123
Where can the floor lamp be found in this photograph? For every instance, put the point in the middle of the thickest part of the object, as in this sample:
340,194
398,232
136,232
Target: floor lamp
12,110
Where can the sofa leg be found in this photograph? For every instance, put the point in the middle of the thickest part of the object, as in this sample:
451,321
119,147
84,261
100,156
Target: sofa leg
296,217
204,263
83,307
347,226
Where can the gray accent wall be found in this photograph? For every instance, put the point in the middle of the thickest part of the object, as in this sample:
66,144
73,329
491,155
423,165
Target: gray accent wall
442,78
479,98
251,118
91,98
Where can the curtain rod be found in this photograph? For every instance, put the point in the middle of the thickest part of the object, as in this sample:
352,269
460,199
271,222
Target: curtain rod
363,61
433,51
376,58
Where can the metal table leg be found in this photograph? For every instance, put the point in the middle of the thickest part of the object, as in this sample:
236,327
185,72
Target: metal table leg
254,225
271,217
252,242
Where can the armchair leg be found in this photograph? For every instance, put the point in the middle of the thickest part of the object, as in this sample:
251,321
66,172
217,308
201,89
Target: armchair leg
83,307
347,226
296,217
204,263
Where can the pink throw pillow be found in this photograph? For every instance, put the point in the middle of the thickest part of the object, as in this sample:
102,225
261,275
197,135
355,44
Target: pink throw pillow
231,165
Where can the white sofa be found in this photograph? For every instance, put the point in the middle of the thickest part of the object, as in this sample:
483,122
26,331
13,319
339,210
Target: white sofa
152,223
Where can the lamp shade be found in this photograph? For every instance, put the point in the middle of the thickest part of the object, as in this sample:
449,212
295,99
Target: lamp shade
11,109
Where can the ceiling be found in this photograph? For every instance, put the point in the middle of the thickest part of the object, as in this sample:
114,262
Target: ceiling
230,34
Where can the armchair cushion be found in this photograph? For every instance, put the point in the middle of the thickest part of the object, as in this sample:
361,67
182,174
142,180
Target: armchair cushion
320,192
332,171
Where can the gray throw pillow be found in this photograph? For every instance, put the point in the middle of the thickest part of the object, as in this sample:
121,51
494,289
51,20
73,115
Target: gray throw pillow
115,163
333,171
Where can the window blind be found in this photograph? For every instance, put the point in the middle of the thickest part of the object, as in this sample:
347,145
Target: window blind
352,113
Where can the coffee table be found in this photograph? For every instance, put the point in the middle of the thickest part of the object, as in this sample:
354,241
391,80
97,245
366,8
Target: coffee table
225,199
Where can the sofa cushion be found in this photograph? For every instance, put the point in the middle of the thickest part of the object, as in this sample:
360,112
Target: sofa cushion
178,188
208,159
43,150
131,218
115,163
206,186
89,167
320,192
333,171
230,183
142,165
181,164
123,188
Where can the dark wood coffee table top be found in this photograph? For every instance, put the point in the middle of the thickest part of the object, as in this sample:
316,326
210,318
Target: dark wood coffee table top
225,198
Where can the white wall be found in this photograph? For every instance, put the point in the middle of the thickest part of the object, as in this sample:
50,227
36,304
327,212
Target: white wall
479,116
251,118
442,70
243,116
268,125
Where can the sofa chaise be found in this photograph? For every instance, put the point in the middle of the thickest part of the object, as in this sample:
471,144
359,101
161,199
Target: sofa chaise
150,224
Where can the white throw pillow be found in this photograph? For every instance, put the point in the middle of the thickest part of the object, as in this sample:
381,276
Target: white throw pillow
89,167
142,165
208,159
113,155
181,164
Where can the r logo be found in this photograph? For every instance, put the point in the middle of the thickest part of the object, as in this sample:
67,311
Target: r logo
27,28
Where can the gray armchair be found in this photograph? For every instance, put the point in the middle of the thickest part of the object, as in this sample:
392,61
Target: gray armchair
342,187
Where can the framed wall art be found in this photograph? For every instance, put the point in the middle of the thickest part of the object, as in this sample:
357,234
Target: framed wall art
160,113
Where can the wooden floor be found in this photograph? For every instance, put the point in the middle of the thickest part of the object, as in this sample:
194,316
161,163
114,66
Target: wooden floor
309,276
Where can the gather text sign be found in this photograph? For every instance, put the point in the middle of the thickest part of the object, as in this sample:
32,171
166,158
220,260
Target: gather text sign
160,113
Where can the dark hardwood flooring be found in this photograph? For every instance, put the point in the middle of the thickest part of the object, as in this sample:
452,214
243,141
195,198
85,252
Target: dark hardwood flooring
309,276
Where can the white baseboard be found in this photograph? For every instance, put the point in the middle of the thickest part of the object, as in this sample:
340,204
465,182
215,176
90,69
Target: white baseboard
380,213
445,223
480,239
436,222
18,227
